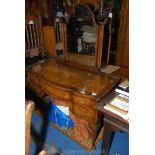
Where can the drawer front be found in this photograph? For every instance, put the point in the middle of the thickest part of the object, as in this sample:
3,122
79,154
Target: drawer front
52,90
84,113
84,101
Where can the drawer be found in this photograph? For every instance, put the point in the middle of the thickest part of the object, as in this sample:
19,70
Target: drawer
55,91
84,113
84,101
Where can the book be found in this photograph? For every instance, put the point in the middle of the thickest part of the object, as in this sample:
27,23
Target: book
121,103
122,96
121,91
123,114
123,88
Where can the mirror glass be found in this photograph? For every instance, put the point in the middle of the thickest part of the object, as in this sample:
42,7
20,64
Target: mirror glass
81,36
59,37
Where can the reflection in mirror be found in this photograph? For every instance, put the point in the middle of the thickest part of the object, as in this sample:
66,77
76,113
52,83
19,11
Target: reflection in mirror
81,36
58,36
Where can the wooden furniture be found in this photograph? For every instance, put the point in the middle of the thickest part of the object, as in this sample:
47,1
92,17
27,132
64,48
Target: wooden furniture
122,55
73,77
112,123
34,44
83,38
29,107
80,89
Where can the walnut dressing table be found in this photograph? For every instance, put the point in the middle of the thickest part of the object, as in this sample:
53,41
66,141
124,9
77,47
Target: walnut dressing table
80,89
72,76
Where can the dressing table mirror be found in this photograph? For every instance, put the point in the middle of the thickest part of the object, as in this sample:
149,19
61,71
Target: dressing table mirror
82,38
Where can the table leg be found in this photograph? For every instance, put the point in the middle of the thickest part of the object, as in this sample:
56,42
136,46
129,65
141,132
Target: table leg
107,135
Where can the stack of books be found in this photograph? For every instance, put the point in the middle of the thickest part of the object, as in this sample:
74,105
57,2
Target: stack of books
120,104
123,89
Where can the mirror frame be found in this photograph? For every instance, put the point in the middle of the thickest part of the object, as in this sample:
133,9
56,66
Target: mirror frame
99,43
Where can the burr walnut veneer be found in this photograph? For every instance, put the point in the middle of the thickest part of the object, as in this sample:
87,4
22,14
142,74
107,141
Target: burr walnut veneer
80,89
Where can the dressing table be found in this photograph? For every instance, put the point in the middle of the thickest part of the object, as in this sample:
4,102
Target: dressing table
73,76
80,89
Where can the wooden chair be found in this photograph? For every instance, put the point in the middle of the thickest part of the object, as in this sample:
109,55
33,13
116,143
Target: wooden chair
34,43
29,107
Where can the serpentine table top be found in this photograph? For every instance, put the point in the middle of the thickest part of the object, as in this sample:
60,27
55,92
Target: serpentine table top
93,84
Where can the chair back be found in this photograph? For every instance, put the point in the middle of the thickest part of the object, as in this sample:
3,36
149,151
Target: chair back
34,43
29,108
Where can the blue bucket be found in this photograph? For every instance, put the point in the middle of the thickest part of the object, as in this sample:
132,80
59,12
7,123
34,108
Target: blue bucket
56,116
